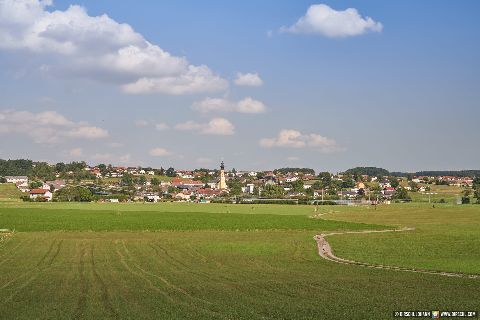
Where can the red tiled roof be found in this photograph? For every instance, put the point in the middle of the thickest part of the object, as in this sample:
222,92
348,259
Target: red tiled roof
38,191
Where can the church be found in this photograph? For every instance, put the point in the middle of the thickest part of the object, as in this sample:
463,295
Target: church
222,184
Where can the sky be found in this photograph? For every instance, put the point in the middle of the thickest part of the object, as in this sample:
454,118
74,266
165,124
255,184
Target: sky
259,84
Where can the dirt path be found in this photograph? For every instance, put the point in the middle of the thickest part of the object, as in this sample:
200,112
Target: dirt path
325,251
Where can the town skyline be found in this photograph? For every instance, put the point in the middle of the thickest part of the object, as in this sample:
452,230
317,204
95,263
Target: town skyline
186,85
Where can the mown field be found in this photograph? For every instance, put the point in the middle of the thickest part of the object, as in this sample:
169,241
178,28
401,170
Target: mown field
9,193
179,261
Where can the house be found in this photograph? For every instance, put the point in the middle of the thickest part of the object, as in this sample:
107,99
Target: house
44,194
186,183
151,197
16,179
57,184
183,196
22,186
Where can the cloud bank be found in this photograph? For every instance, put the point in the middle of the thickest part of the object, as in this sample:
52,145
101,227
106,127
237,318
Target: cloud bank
248,80
71,42
322,20
47,127
247,105
216,126
288,138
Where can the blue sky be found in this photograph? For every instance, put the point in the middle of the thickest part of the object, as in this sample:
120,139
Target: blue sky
400,91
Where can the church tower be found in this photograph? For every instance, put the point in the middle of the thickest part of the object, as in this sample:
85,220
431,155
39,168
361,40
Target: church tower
222,185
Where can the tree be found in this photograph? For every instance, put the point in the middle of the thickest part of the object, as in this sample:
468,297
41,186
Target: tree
103,169
3,180
401,194
127,180
35,184
297,186
394,182
155,181
170,172
325,178
70,193
348,183
235,187
466,197
273,191
413,186
141,180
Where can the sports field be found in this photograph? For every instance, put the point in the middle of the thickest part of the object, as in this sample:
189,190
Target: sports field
213,261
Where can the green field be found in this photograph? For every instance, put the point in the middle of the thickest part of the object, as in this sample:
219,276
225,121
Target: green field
9,193
194,261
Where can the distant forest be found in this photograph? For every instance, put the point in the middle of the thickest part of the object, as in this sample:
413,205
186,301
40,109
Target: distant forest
291,170
23,167
374,171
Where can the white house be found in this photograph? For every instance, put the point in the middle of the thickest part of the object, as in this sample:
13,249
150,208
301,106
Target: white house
16,179
41,194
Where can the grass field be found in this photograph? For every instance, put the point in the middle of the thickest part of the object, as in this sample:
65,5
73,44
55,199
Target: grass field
450,194
9,193
178,261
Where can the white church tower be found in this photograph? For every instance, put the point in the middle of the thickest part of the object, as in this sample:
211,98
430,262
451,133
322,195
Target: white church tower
222,185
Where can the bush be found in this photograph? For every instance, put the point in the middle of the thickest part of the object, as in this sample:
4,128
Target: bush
465,200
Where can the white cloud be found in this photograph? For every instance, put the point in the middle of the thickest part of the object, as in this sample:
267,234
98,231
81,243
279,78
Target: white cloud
293,159
102,157
141,123
247,105
248,80
323,20
160,152
88,132
115,145
203,161
194,80
216,126
161,126
219,126
189,126
288,138
48,127
125,159
73,43
76,152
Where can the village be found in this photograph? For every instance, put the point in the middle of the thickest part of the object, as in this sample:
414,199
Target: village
106,183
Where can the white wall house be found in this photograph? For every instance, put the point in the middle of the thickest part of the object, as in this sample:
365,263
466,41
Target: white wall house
16,179
41,193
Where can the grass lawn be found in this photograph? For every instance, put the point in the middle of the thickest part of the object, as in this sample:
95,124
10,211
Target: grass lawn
446,238
98,261
9,193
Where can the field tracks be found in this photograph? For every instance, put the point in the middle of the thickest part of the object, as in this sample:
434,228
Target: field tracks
325,251
106,299
33,273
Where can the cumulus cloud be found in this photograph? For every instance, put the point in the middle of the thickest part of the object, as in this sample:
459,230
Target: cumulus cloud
322,20
288,138
47,127
74,43
248,80
160,152
247,105
216,126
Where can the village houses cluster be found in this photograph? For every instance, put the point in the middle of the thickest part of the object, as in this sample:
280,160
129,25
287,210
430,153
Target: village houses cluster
116,184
